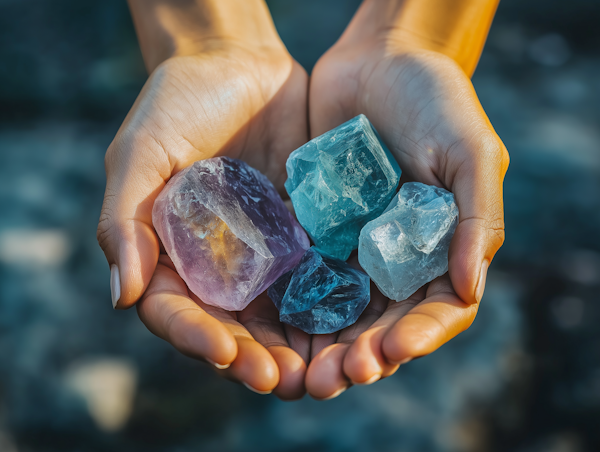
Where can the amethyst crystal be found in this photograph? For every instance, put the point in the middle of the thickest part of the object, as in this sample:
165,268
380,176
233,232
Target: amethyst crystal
227,231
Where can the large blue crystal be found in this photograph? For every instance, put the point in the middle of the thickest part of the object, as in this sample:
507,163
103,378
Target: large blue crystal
321,294
339,181
407,246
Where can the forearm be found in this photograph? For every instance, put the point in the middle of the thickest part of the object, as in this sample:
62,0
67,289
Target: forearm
167,28
456,28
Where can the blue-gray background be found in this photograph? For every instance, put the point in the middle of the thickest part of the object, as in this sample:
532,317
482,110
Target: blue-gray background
76,376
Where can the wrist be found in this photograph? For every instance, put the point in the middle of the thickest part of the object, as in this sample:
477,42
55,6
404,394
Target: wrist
170,28
457,29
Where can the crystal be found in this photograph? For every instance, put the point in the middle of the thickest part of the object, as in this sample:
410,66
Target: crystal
407,246
339,181
227,231
321,294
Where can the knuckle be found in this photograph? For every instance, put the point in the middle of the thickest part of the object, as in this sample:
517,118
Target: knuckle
168,67
485,146
505,158
489,227
491,148
103,231
495,231
499,236
106,223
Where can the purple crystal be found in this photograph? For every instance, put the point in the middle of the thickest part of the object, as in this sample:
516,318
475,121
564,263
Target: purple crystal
227,231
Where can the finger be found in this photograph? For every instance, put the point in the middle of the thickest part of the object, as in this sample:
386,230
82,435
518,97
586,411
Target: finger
261,319
365,362
292,371
477,187
169,313
319,342
430,324
299,341
125,231
254,366
320,366
324,378
205,332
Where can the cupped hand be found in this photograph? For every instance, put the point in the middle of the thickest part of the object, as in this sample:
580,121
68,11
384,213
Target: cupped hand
426,110
230,100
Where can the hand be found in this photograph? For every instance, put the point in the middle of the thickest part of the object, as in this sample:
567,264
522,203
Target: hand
246,103
425,108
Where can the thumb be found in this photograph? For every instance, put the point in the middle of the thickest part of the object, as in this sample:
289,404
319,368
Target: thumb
125,231
477,187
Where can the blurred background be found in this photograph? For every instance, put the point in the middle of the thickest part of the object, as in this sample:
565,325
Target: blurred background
77,376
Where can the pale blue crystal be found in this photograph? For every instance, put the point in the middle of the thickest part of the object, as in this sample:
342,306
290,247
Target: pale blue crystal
339,181
407,246
321,294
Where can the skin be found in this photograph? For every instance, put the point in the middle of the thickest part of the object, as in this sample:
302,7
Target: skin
222,83
220,89
424,106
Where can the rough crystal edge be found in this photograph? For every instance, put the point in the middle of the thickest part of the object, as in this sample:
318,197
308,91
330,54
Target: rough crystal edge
408,290
308,152
305,152
164,198
279,289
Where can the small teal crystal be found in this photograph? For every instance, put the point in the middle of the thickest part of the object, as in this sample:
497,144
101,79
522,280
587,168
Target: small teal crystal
407,246
321,294
339,181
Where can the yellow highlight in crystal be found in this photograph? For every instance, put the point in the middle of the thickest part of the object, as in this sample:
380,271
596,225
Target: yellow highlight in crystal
225,246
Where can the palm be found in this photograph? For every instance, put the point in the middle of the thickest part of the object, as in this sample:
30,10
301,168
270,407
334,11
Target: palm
230,103
244,106
427,112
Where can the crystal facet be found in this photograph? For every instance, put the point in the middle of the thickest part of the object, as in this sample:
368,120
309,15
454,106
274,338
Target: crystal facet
227,231
339,181
321,295
407,246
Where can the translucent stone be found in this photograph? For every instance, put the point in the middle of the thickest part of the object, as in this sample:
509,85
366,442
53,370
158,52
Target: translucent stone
227,231
321,294
339,181
407,246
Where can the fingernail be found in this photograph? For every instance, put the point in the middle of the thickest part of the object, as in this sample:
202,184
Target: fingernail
256,390
217,365
336,393
115,285
371,380
482,277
